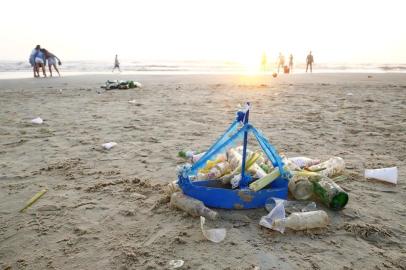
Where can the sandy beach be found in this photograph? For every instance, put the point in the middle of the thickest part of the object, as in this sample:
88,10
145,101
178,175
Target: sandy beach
107,209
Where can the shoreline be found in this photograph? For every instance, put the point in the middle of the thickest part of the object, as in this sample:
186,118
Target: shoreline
5,75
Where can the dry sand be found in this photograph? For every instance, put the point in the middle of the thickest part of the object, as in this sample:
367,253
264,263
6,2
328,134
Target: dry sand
106,209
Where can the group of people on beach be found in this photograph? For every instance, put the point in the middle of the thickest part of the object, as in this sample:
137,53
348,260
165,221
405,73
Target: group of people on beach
289,68
40,57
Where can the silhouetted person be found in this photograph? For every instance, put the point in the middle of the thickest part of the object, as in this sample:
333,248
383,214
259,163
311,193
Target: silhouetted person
290,63
116,64
51,59
32,60
39,59
281,62
309,61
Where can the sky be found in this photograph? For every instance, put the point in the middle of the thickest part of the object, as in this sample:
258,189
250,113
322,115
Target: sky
337,31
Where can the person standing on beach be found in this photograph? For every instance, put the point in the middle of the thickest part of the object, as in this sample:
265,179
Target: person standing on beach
309,62
51,58
290,63
116,64
32,61
39,59
281,62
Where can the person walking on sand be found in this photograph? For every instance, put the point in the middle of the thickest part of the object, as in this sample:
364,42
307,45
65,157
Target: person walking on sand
32,61
309,62
290,63
116,64
51,59
39,59
281,62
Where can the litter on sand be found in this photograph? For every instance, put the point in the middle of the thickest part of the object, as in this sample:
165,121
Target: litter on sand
214,235
132,101
173,264
109,145
389,175
191,206
116,84
37,121
230,175
34,199
276,219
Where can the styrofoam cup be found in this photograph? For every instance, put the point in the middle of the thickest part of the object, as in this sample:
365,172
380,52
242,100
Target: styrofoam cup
385,174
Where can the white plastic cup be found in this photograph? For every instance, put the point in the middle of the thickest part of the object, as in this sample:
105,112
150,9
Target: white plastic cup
389,175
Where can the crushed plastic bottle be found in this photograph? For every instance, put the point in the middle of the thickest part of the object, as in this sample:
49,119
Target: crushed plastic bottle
302,221
192,206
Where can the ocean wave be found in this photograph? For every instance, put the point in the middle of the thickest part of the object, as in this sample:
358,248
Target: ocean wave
194,66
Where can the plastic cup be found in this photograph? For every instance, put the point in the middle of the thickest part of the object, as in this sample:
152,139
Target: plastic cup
389,175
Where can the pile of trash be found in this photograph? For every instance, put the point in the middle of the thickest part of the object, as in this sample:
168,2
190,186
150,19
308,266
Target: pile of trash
308,176
237,177
310,180
116,84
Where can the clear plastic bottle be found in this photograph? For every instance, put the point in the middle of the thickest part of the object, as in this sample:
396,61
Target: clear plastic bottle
300,187
192,206
303,221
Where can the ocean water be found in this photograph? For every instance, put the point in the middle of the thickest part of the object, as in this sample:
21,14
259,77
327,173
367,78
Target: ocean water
22,69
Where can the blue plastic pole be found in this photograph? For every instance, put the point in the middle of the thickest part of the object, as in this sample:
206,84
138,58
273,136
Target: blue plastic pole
244,150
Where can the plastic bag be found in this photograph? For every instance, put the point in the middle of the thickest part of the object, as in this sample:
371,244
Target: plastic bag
109,145
37,120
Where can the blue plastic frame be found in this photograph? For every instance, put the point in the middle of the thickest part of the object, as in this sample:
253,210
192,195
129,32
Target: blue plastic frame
212,193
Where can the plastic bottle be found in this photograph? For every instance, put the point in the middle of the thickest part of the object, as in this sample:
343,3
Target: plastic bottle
300,187
219,170
330,194
234,158
333,166
192,206
303,221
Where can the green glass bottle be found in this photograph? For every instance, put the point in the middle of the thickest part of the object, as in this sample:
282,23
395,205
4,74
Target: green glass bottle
330,194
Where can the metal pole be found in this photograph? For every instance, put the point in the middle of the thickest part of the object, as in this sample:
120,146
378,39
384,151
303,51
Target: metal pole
244,149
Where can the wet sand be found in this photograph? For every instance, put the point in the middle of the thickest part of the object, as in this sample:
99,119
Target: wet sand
107,209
